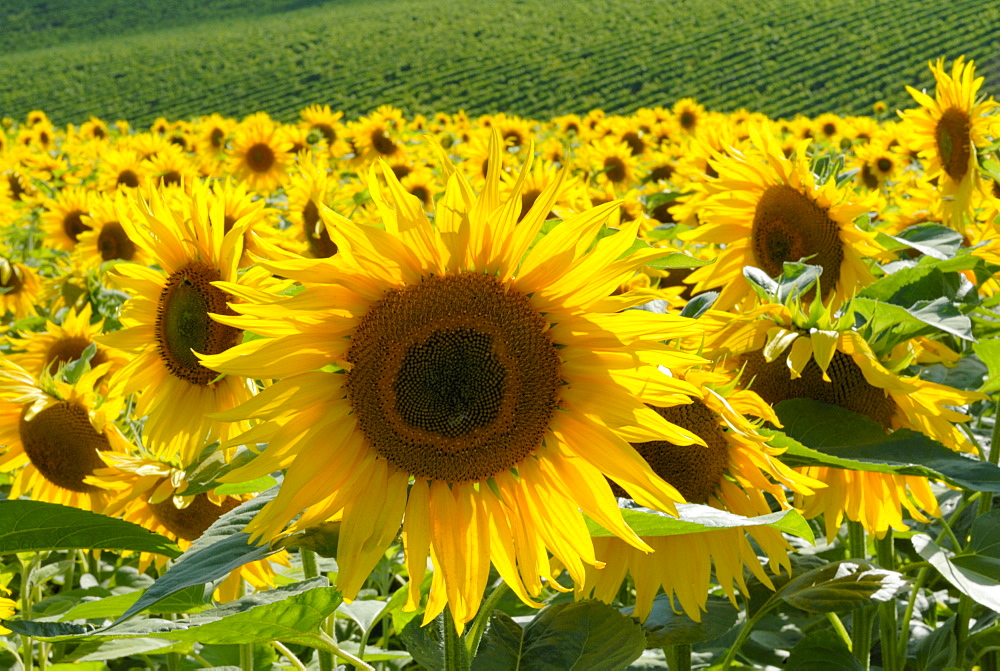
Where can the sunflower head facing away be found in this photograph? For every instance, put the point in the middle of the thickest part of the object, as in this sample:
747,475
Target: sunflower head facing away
496,372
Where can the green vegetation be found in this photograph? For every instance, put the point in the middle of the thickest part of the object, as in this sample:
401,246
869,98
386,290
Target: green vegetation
140,60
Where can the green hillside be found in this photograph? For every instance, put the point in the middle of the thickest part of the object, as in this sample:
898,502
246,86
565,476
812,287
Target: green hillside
139,60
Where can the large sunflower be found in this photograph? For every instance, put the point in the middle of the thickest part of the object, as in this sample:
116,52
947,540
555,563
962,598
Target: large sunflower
53,432
766,210
947,130
732,472
829,362
501,378
167,318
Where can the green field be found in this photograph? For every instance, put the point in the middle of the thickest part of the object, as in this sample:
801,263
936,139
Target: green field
140,60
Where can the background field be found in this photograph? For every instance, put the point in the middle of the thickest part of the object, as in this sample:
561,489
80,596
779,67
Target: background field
140,59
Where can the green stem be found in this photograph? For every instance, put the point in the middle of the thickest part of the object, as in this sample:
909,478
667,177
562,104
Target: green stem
744,634
478,625
340,652
885,552
678,657
246,656
311,570
861,618
962,616
27,645
904,629
838,626
456,655
289,655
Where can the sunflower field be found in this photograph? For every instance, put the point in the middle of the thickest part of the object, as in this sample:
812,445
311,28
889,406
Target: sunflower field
671,389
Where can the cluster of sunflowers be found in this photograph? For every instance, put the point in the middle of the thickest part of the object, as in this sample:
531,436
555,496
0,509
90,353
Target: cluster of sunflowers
473,333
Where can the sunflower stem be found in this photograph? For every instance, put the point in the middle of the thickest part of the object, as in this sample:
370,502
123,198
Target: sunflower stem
246,656
482,620
456,656
678,657
861,618
885,551
311,570
840,629
27,645
289,655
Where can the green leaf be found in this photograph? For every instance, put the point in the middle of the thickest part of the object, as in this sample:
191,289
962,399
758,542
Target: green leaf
679,260
819,434
250,487
988,352
666,627
982,556
93,651
699,304
841,586
796,280
75,369
426,644
184,601
223,547
909,285
939,649
696,518
942,314
290,613
581,635
934,240
822,651
760,282
983,590
35,526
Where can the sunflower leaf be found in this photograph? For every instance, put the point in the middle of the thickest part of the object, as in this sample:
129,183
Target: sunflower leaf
580,635
841,586
988,352
820,650
819,434
679,260
699,304
664,626
35,526
223,547
981,589
934,240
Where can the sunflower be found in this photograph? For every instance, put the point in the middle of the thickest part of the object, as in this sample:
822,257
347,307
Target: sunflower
260,154
307,192
167,318
506,383
105,239
62,343
321,119
20,289
149,492
172,167
7,608
94,128
53,432
732,472
611,164
378,135
212,132
768,210
121,168
63,218
688,112
947,129
787,355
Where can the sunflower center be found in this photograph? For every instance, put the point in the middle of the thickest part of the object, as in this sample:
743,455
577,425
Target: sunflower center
614,168
884,165
847,388
422,194
383,143
688,120
953,140
73,224
635,143
191,522
869,178
128,178
789,226
170,178
183,325
62,444
326,130
114,243
69,349
455,378
661,173
14,283
694,470
216,137
320,244
260,157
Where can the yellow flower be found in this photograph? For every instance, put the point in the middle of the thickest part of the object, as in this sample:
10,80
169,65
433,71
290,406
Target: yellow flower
20,289
501,378
768,210
53,432
947,129
260,154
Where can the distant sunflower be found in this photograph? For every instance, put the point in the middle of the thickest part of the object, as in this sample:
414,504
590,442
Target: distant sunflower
63,219
611,164
106,239
7,608
321,119
53,432
767,210
149,492
167,319
835,365
20,289
172,167
947,130
308,191
688,113
378,134
60,344
121,169
260,153
212,133
733,471
506,383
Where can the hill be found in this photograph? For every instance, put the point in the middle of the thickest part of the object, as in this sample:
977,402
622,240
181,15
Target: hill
140,60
